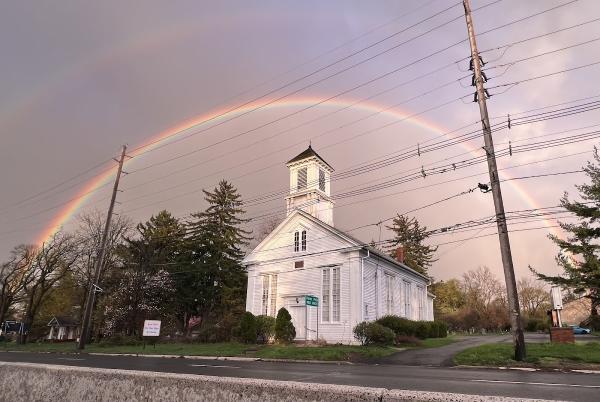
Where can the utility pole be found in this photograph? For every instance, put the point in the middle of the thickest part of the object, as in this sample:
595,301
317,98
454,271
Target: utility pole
91,298
507,263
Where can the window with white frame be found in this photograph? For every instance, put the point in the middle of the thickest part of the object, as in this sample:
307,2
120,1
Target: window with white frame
265,295
331,295
389,294
273,295
321,180
407,296
325,305
269,295
421,301
296,241
302,179
304,240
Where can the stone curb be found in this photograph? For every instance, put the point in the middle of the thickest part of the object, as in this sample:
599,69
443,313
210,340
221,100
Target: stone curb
28,381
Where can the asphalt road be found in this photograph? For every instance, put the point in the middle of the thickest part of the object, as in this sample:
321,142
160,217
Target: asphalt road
546,385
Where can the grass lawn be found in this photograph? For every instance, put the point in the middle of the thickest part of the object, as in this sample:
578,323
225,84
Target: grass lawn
538,354
437,342
298,352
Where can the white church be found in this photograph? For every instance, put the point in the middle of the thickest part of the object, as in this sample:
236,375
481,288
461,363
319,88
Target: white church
305,261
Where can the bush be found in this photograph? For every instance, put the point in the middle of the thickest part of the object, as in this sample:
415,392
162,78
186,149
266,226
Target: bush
265,328
284,329
442,329
400,326
373,333
247,332
404,340
422,330
360,332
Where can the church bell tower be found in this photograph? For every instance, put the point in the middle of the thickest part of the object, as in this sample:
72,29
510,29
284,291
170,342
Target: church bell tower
310,186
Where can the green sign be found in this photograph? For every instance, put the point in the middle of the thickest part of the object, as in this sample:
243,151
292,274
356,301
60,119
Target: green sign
311,301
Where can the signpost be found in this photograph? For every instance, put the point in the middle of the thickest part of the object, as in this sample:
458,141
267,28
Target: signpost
312,301
152,329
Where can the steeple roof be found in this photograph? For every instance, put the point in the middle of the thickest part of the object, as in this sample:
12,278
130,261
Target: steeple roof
308,153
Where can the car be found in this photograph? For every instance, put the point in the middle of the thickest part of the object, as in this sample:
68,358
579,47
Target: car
577,330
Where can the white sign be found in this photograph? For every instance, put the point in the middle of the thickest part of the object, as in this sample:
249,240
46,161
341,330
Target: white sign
556,298
151,328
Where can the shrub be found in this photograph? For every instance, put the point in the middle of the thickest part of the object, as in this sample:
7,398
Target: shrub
360,332
265,328
247,332
442,329
400,326
404,340
373,333
422,330
284,329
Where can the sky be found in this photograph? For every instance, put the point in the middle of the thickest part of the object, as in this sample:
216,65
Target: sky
80,79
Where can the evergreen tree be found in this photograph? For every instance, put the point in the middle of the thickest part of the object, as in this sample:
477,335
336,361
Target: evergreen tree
410,235
216,280
145,289
578,254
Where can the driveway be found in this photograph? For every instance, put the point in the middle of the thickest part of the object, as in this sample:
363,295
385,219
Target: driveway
442,356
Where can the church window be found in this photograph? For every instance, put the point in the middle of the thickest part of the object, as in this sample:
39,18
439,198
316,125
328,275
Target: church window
302,178
269,295
389,294
273,295
321,180
265,295
296,241
420,294
407,297
330,297
304,240
325,297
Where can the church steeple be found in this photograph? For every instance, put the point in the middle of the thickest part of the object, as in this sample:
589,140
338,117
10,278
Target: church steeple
310,189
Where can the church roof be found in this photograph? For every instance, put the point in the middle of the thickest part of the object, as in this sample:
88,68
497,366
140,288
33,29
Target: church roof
308,153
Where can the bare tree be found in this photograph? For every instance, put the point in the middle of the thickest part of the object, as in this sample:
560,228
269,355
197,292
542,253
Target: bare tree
88,237
265,228
14,278
534,297
52,261
481,289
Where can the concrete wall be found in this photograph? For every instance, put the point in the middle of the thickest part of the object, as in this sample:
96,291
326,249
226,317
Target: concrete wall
39,382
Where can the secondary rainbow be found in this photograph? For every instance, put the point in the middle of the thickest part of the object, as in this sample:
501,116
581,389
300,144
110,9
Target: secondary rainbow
186,127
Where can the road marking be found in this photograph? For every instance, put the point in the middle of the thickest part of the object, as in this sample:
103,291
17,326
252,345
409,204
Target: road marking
552,384
68,358
211,365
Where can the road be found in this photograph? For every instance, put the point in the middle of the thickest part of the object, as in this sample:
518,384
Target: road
546,385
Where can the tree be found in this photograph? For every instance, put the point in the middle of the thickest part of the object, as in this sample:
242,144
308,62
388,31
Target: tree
266,227
214,284
52,262
534,298
284,328
146,289
14,277
88,238
449,297
409,234
578,255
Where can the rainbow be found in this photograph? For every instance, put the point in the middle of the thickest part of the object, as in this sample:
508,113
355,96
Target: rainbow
186,127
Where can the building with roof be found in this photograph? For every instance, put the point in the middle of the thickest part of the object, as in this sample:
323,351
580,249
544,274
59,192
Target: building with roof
328,280
63,329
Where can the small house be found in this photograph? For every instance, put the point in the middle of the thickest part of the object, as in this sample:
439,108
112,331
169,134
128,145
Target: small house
63,329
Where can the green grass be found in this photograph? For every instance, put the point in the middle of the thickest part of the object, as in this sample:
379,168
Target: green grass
437,342
329,352
538,354
295,352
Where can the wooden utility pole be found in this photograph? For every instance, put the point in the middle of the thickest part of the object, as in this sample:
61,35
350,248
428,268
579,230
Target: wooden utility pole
91,298
507,263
